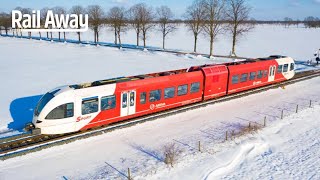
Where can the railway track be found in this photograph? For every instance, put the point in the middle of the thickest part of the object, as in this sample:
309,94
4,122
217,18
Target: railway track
22,144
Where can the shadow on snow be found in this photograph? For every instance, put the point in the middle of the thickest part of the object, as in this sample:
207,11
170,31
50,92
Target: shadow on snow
21,111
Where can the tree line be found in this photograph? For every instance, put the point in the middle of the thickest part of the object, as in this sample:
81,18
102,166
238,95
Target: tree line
209,18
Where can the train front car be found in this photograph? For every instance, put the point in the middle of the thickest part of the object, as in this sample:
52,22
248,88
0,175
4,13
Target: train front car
54,113
283,70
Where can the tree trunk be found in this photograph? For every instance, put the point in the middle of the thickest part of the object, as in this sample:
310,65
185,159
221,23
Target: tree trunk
48,35
6,31
59,36
211,46
115,36
51,35
40,34
119,36
79,36
144,40
64,36
163,38
234,36
138,38
97,36
195,42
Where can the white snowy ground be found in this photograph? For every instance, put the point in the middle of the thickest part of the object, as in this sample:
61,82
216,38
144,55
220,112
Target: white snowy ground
30,68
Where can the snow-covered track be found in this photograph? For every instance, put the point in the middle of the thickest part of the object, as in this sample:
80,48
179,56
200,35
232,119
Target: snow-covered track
30,143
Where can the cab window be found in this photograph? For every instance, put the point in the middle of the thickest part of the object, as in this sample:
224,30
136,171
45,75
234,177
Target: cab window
89,105
108,102
292,67
285,68
61,112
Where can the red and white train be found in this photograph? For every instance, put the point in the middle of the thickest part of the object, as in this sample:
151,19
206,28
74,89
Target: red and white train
79,107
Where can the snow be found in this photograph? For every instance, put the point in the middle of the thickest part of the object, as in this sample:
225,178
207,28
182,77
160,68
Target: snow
29,68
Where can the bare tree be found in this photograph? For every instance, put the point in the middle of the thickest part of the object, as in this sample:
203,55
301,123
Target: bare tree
24,11
43,16
135,20
59,11
312,22
194,16
165,15
78,10
117,20
96,15
147,17
171,153
287,21
237,13
214,12
5,22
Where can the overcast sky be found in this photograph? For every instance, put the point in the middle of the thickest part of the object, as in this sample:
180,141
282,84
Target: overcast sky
261,9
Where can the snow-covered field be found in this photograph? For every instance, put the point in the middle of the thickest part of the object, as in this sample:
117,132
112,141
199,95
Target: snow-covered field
285,149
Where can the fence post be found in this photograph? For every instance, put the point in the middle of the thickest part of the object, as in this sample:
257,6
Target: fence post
249,125
297,108
129,174
282,114
310,103
264,121
232,135
199,146
226,135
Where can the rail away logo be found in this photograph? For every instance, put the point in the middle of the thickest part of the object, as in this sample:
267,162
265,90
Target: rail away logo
52,22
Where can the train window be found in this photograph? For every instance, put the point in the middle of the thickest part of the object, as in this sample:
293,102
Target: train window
62,111
244,77
169,92
280,69
292,67
265,73
260,74
235,79
124,100
285,67
108,102
155,95
89,105
252,76
143,98
132,98
182,90
195,87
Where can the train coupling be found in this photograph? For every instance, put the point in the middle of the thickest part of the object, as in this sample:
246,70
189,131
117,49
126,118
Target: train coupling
31,128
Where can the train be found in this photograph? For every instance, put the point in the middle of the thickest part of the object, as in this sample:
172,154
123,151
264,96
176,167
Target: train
79,107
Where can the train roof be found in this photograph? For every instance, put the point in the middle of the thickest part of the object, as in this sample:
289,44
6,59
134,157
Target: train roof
167,73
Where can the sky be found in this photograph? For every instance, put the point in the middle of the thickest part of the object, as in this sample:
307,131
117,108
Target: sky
261,9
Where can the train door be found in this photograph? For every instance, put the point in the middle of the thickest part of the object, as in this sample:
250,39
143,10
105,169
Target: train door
128,103
272,73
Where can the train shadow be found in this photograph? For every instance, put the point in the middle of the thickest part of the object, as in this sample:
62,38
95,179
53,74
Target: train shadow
21,111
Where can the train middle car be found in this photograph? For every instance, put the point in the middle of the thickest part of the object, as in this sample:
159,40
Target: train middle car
82,106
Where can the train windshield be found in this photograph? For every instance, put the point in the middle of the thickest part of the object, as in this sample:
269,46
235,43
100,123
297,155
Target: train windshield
43,101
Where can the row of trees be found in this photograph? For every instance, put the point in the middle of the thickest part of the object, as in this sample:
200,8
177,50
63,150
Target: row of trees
309,22
208,17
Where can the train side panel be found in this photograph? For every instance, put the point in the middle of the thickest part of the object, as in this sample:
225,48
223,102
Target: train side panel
216,78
